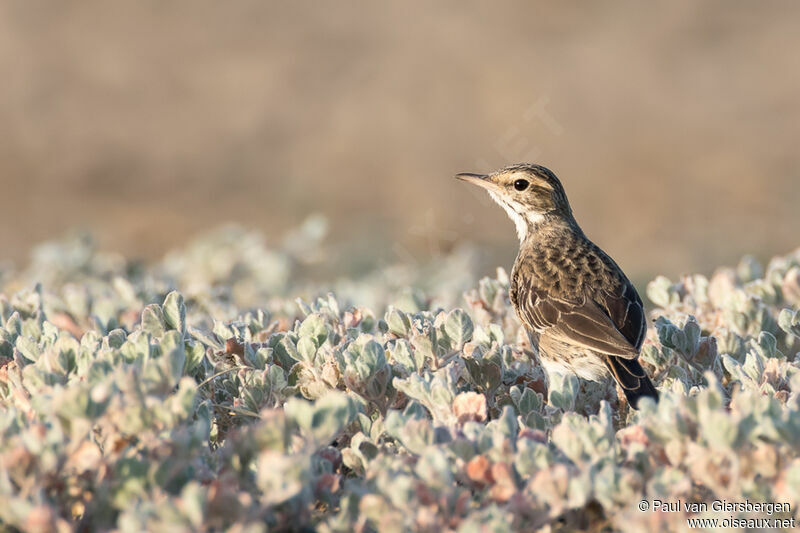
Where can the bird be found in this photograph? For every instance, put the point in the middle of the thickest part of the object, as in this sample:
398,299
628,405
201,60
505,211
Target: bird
574,301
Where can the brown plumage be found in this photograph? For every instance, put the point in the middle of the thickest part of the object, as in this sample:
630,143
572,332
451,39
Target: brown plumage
575,302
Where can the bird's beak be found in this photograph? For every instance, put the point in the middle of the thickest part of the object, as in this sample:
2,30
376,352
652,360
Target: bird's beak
481,180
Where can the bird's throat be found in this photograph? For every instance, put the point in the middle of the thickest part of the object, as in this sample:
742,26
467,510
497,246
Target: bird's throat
523,223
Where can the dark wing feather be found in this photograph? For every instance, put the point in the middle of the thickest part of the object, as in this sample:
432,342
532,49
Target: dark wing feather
626,311
632,379
611,324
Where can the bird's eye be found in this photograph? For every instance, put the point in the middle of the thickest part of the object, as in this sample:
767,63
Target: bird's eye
521,185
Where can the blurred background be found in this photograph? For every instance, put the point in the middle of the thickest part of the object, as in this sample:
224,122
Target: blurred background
674,130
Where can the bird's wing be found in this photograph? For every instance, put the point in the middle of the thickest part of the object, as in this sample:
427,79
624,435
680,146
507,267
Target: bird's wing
626,311
612,324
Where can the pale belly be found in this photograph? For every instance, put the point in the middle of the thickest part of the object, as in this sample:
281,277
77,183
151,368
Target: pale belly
563,358
585,367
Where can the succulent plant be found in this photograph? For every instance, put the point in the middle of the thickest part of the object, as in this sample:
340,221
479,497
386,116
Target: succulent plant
215,390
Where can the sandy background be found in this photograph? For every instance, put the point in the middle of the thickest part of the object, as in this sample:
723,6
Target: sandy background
675,130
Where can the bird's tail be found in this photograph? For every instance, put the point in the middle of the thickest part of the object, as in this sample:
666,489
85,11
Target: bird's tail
632,378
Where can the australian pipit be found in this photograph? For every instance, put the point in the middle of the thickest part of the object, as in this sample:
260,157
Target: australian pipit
576,304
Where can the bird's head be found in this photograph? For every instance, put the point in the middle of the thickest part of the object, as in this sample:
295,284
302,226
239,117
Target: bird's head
530,194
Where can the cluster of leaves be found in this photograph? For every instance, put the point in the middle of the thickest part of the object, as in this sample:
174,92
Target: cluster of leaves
129,405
